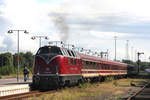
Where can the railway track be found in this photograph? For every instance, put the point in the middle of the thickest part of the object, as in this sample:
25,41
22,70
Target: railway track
26,95
138,93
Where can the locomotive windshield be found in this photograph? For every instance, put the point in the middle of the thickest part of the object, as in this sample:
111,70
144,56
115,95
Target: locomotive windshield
49,51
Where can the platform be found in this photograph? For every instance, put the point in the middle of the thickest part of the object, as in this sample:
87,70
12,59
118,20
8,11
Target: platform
11,86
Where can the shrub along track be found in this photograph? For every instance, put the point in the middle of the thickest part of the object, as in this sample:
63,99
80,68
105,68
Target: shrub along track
26,95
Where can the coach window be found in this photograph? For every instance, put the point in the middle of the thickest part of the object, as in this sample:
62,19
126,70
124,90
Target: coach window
78,62
101,66
97,64
94,64
84,63
97,67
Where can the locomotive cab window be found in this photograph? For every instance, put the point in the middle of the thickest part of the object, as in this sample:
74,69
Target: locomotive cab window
49,50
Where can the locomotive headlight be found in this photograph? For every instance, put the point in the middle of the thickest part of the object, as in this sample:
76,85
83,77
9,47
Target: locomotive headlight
38,70
57,70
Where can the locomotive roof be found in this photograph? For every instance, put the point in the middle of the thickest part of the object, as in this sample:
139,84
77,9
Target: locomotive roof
65,51
100,60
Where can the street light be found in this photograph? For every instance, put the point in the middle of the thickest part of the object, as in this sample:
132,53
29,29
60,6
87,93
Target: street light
11,31
138,62
40,37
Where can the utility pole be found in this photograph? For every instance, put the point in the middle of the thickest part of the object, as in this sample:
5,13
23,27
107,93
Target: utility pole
127,50
115,37
132,53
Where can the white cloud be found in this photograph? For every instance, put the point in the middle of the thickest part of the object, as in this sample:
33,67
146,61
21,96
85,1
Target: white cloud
110,35
92,23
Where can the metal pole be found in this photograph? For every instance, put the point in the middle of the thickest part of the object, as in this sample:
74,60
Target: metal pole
39,41
138,62
127,51
115,47
18,59
132,53
107,54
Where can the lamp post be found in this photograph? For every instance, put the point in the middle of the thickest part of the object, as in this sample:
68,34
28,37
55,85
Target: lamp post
138,62
18,59
40,37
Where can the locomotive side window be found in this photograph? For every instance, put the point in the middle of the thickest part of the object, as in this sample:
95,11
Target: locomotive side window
75,62
69,61
72,61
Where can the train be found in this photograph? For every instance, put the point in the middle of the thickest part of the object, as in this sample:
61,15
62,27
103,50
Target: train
58,66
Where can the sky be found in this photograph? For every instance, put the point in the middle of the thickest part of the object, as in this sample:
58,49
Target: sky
91,24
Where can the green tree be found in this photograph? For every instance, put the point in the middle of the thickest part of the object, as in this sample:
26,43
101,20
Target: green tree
6,59
29,59
26,59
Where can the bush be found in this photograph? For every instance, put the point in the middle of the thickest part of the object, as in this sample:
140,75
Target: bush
7,70
0,76
107,79
115,83
84,85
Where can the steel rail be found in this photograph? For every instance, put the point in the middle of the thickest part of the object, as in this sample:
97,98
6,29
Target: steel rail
26,95
138,92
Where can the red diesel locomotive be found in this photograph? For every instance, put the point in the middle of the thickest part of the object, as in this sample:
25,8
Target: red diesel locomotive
57,66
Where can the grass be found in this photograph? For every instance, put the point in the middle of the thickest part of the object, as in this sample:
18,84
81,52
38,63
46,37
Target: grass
84,85
109,90
67,95
14,76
